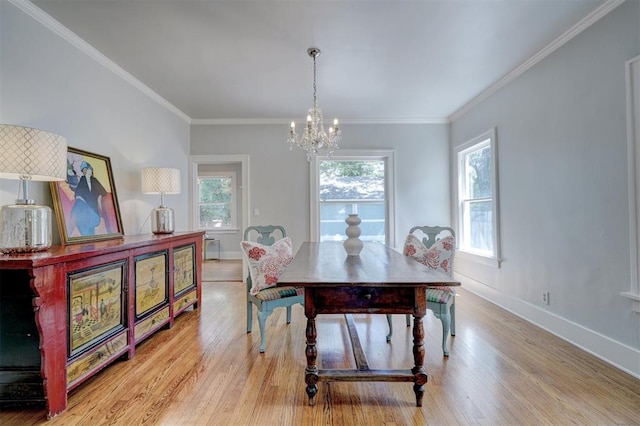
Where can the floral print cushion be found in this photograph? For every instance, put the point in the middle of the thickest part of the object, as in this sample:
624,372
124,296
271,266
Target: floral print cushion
266,263
439,256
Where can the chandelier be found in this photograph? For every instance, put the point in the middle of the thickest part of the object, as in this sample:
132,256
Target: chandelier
314,139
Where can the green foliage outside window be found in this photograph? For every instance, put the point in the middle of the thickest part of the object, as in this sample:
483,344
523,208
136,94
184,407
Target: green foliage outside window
337,169
480,174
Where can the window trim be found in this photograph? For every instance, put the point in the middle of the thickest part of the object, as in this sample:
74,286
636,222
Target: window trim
632,71
490,135
354,155
243,161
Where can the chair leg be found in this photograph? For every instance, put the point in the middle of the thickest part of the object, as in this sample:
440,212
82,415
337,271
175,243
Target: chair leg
452,312
262,319
249,316
446,323
391,325
289,314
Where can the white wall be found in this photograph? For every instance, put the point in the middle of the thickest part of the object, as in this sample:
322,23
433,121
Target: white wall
49,84
279,178
562,155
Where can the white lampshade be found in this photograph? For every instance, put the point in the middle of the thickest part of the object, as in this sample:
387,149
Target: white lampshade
160,180
32,153
29,154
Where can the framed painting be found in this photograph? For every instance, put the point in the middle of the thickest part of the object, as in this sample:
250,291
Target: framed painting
183,268
95,305
86,204
151,282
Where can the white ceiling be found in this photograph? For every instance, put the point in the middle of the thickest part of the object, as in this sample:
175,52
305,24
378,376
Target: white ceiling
396,60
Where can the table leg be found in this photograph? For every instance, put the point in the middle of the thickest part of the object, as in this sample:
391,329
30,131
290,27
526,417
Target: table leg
311,370
419,372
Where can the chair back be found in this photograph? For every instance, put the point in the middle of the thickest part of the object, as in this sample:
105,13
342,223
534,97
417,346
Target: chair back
263,234
431,234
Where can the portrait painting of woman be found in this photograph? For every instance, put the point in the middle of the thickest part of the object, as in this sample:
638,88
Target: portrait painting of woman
86,203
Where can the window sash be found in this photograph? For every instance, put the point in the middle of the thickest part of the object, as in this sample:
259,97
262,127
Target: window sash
217,220
477,214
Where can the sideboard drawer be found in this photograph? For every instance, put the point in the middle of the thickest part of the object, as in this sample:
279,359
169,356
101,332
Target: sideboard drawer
95,359
184,301
151,324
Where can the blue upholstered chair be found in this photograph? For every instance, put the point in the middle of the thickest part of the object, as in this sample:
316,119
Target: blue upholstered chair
441,300
267,299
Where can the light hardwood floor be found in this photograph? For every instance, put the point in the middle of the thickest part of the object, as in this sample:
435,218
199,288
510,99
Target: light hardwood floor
207,370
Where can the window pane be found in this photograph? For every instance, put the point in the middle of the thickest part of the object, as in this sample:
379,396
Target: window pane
351,180
478,173
215,215
215,190
373,216
478,225
333,215
216,201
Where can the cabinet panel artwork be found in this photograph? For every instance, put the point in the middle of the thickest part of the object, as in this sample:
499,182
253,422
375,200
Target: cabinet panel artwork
96,305
151,282
70,311
183,267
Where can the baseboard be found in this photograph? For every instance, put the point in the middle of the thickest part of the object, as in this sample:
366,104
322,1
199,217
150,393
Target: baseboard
612,352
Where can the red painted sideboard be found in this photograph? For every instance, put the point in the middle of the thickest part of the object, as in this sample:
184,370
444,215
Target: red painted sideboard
70,311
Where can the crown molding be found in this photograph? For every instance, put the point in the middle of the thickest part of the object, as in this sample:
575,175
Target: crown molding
279,121
59,29
568,35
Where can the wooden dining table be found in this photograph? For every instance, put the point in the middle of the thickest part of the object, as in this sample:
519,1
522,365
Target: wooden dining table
377,281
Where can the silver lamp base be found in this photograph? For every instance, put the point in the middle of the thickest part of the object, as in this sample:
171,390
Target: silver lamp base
162,220
25,228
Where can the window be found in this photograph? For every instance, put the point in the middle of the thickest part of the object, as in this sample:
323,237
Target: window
348,184
476,208
217,200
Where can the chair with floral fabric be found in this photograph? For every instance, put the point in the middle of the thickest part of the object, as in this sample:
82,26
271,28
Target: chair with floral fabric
436,250
267,258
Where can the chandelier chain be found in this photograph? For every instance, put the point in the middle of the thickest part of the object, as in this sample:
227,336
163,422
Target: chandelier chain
315,98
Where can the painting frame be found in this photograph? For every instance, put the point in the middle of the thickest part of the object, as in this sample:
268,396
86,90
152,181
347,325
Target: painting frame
86,203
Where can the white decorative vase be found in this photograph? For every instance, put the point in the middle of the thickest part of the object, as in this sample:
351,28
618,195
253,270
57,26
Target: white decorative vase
353,244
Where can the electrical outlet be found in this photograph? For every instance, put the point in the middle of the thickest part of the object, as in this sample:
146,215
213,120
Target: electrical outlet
545,297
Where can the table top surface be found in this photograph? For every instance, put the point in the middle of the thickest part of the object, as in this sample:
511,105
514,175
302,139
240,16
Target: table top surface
327,263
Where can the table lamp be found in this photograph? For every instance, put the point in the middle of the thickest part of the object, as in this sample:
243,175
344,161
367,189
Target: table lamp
29,154
158,180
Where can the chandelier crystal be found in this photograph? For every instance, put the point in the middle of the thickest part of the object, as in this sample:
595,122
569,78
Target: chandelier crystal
315,140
